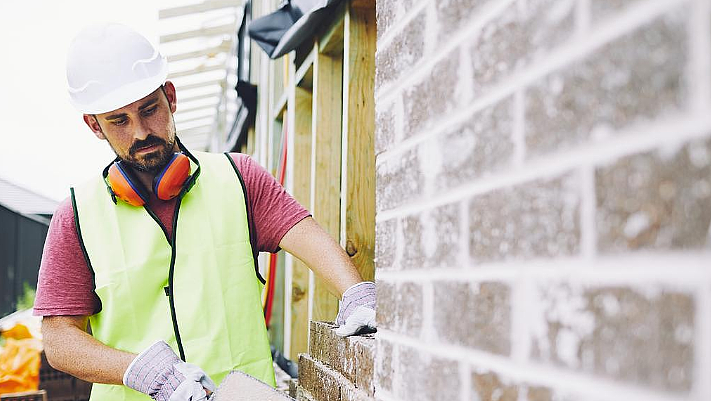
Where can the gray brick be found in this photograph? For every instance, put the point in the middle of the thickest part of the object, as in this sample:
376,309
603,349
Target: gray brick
424,377
318,380
402,53
518,37
656,200
534,219
384,365
432,97
399,180
431,238
453,15
600,9
481,145
474,315
639,77
385,128
643,337
399,307
389,12
385,244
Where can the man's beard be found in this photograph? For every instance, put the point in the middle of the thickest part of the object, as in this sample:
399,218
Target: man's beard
152,162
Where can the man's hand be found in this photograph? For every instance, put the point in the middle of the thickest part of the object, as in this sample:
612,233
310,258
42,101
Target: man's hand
356,313
158,372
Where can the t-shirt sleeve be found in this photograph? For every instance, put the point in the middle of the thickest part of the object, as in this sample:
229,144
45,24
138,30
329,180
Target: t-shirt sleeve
65,285
273,212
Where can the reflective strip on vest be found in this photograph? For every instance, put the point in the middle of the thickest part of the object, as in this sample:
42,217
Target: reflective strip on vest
216,292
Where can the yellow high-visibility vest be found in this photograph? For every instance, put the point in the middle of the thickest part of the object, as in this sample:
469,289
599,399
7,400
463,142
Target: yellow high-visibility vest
199,292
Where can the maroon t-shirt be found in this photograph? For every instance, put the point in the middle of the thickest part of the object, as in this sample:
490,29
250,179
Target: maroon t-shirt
65,285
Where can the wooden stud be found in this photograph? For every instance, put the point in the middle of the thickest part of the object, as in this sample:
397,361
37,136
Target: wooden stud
358,181
326,165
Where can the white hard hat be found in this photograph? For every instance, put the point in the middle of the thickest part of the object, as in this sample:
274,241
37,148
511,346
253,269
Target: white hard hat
110,66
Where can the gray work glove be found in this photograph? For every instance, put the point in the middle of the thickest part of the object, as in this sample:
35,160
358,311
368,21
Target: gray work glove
356,313
158,372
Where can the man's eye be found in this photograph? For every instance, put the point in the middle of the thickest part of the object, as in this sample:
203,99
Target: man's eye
148,112
121,121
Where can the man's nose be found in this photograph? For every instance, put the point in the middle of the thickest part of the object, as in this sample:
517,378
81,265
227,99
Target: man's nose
142,130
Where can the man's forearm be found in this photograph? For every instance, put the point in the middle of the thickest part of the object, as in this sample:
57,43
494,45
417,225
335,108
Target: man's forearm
313,246
71,349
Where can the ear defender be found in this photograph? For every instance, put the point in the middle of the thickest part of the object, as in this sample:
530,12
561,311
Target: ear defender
170,181
166,185
126,186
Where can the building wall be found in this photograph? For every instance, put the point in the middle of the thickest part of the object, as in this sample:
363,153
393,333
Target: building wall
543,200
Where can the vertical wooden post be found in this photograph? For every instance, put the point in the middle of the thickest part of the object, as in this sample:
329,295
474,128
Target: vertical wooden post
358,173
326,164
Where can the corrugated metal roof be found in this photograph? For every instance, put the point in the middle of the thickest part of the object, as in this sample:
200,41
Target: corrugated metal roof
23,200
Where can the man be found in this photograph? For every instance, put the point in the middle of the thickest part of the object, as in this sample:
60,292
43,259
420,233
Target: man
162,265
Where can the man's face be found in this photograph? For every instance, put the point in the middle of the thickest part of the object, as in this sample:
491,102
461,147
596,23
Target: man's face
142,134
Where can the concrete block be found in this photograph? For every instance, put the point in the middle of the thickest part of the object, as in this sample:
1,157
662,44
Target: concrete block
454,15
385,127
432,98
353,357
480,145
488,387
399,307
402,53
431,238
531,220
656,200
388,13
399,180
519,36
637,78
475,315
425,377
384,367
238,386
641,336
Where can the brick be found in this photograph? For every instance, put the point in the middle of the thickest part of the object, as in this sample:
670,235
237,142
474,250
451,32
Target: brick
488,387
321,382
453,15
643,337
479,146
530,220
431,238
600,9
389,12
353,357
637,78
403,52
424,377
384,366
656,200
399,180
540,394
432,98
303,395
399,307
474,315
385,244
385,131
518,37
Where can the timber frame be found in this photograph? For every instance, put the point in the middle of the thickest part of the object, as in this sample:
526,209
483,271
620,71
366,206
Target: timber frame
321,95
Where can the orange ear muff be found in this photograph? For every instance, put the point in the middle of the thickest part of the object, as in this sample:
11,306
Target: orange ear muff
170,181
126,187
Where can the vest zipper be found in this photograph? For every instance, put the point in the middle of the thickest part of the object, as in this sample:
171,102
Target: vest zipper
169,289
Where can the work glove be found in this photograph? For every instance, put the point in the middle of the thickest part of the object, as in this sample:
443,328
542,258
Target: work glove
356,313
158,372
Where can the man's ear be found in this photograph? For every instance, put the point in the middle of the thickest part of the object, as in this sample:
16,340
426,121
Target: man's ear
94,126
169,89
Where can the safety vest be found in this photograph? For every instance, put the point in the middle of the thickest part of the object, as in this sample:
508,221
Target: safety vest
198,291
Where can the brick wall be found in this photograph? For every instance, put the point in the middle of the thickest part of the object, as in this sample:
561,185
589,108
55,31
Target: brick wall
543,200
